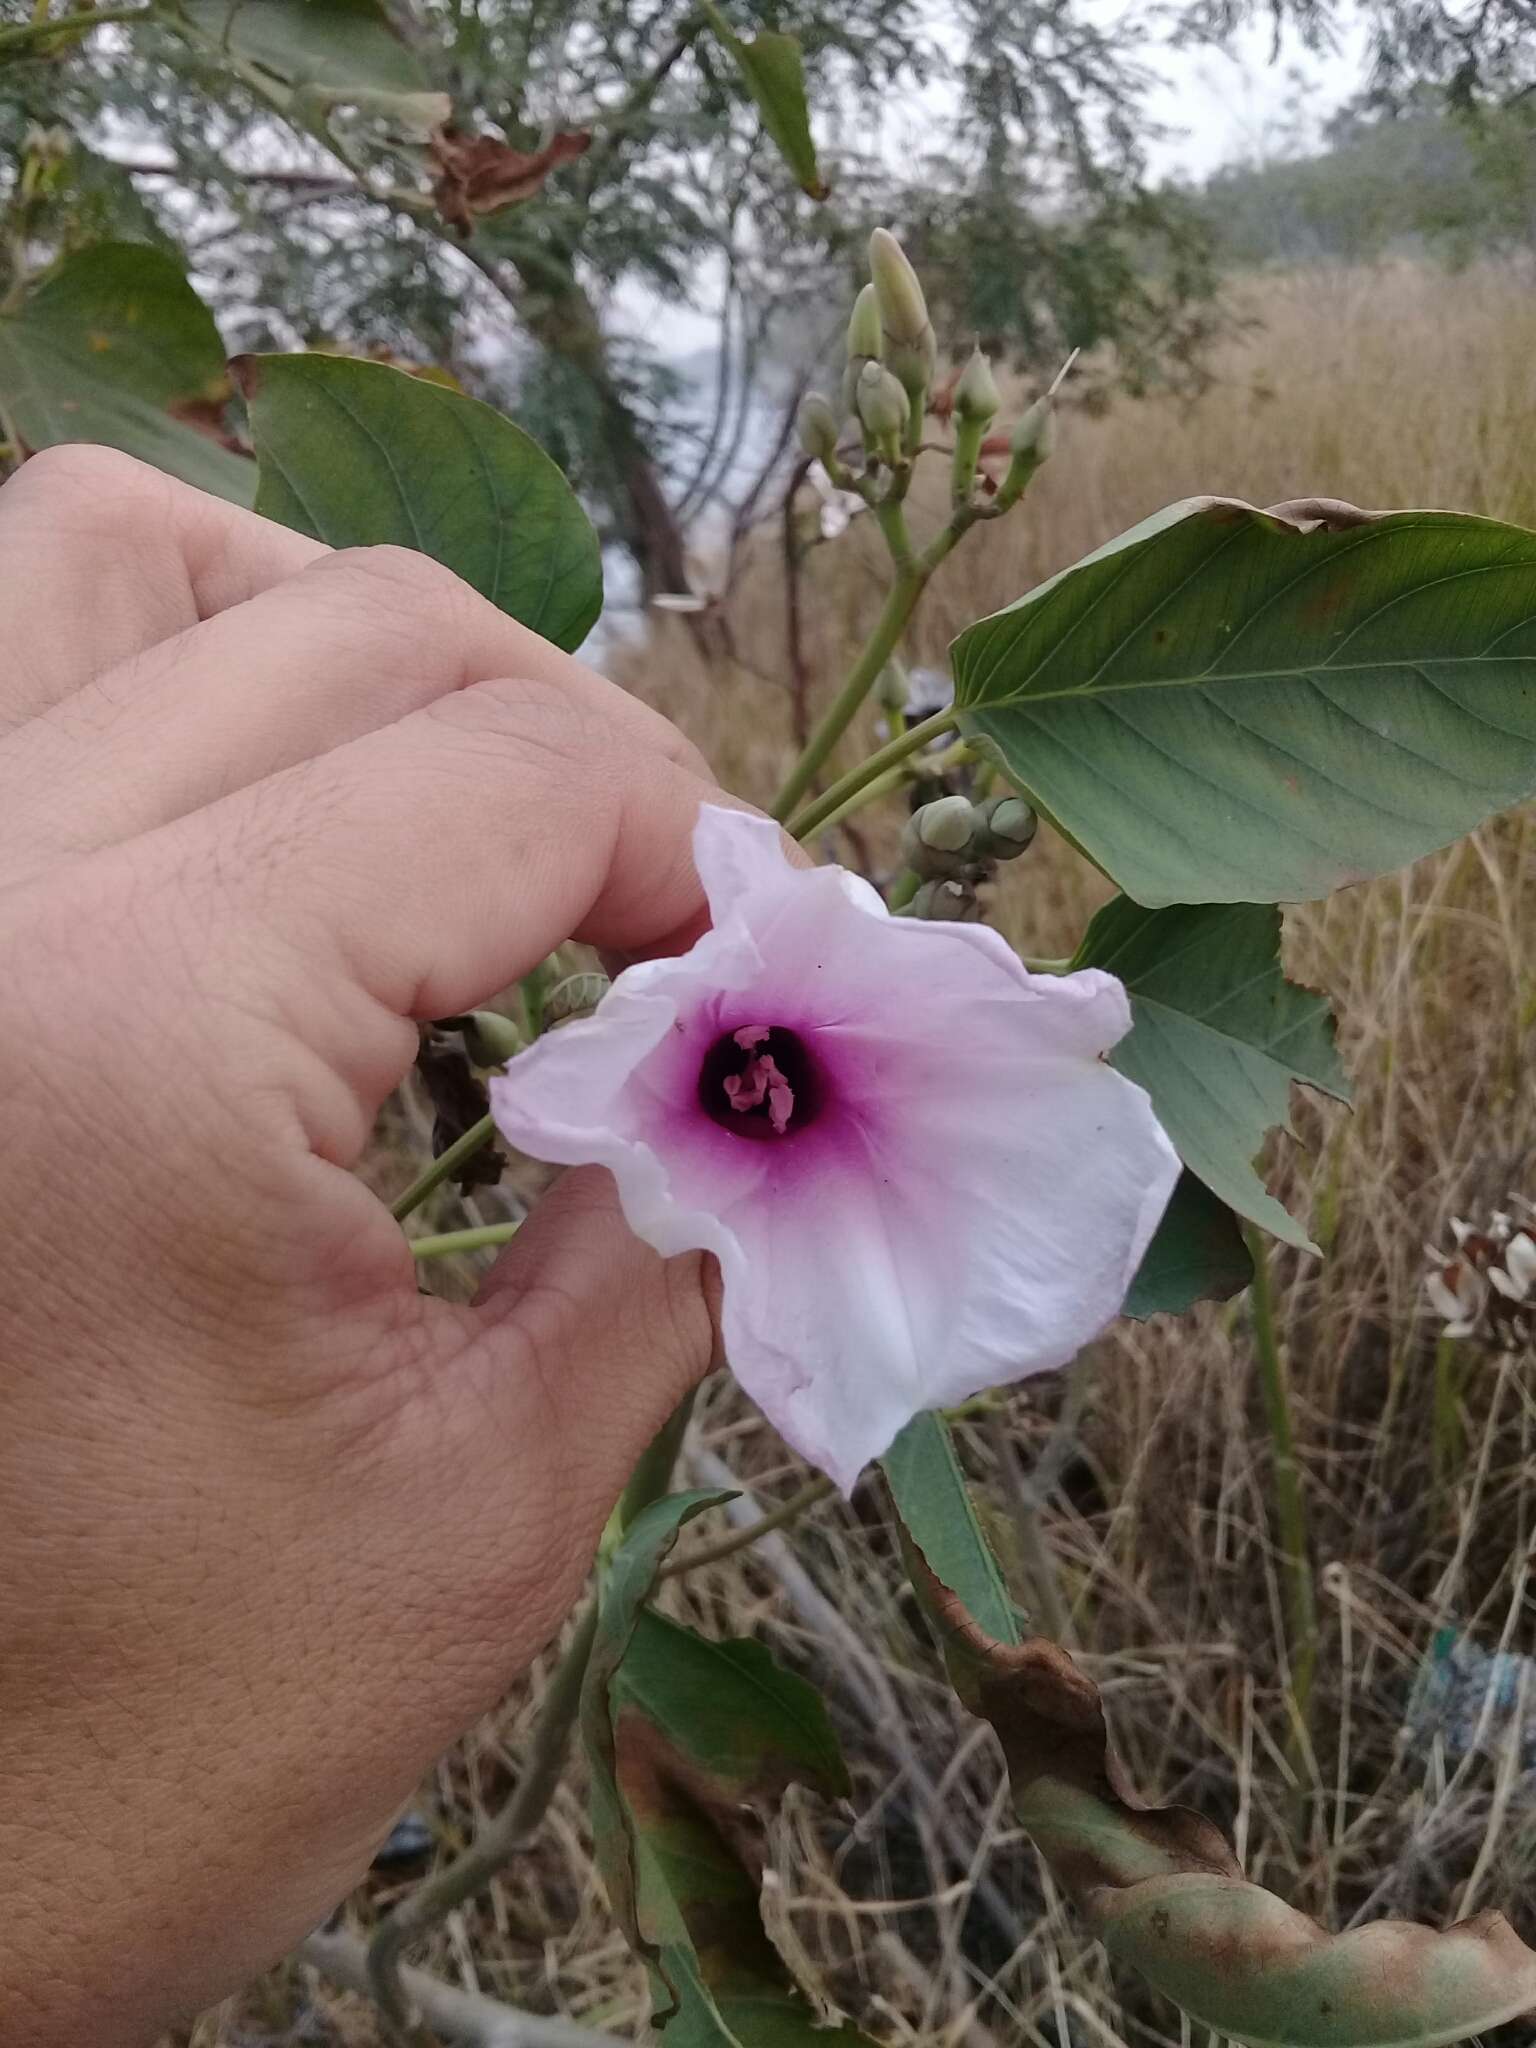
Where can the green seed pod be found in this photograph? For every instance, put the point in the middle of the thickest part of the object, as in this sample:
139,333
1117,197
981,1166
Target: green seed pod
1006,826
976,395
816,424
577,996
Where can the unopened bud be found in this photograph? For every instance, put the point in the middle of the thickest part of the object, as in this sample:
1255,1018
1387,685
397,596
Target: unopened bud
956,901
883,408
1006,826
577,996
816,424
891,687
1035,434
489,1038
947,823
911,353
903,309
864,328
1031,441
976,395
938,841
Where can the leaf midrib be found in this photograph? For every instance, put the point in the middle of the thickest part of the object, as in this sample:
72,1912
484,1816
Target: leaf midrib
1206,679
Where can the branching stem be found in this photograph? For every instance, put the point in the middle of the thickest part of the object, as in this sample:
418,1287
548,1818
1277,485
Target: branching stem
474,1140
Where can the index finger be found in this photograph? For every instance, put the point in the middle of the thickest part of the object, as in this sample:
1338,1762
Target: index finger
416,871
104,557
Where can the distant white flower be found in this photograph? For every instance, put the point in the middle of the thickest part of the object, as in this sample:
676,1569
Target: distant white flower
1483,1288
838,508
918,1173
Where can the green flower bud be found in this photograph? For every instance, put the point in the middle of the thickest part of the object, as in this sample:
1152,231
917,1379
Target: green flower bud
816,424
1032,441
892,686
939,840
976,395
903,309
911,352
577,996
954,900
1035,434
883,409
946,824
489,1038
1006,827
864,328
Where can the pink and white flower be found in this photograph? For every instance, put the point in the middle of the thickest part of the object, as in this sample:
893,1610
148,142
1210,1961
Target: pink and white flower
917,1172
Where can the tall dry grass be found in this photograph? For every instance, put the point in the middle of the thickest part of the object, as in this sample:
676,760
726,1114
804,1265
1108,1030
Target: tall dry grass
923,1907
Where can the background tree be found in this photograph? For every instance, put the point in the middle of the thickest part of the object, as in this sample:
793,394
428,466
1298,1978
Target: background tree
590,151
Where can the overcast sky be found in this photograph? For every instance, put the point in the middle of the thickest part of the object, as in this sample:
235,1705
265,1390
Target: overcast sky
1225,107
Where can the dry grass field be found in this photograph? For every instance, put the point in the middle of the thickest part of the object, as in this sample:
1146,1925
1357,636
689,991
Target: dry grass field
922,1906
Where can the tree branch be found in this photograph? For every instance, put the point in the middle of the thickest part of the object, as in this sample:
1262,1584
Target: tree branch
506,1836
468,2018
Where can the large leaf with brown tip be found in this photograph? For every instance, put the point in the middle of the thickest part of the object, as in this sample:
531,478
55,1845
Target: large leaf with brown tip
114,346
1227,705
1161,1888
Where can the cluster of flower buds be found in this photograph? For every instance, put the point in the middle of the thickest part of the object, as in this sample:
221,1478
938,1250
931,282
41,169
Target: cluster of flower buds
953,845
1486,1287
888,386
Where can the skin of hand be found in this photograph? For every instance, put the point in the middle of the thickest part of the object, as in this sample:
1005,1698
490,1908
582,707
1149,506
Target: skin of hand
278,1527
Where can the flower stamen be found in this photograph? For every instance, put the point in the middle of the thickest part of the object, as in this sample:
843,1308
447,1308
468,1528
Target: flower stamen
759,1082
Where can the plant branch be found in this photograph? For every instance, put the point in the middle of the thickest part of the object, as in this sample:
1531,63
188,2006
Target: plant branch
891,755
840,713
474,1140
475,1240
507,1836
468,2018
69,24
742,1539
1290,1503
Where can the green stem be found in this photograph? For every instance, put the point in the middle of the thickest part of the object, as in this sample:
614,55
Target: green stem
506,1836
742,1539
843,709
883,785
1290,1504
474,1140
895,751
67,24
903,889
653,1473
463,1240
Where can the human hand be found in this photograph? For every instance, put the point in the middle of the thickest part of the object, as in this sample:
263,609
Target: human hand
278,1527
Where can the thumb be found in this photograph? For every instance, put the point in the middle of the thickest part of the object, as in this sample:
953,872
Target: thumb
586,1341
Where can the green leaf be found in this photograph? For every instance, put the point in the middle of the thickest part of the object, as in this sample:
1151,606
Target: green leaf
1197,1254
774,73
358,453
1217,1036
1227,705
115,346
344,50
937,1511
682,1735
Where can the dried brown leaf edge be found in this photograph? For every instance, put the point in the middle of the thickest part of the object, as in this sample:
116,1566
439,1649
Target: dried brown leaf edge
1161,1888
